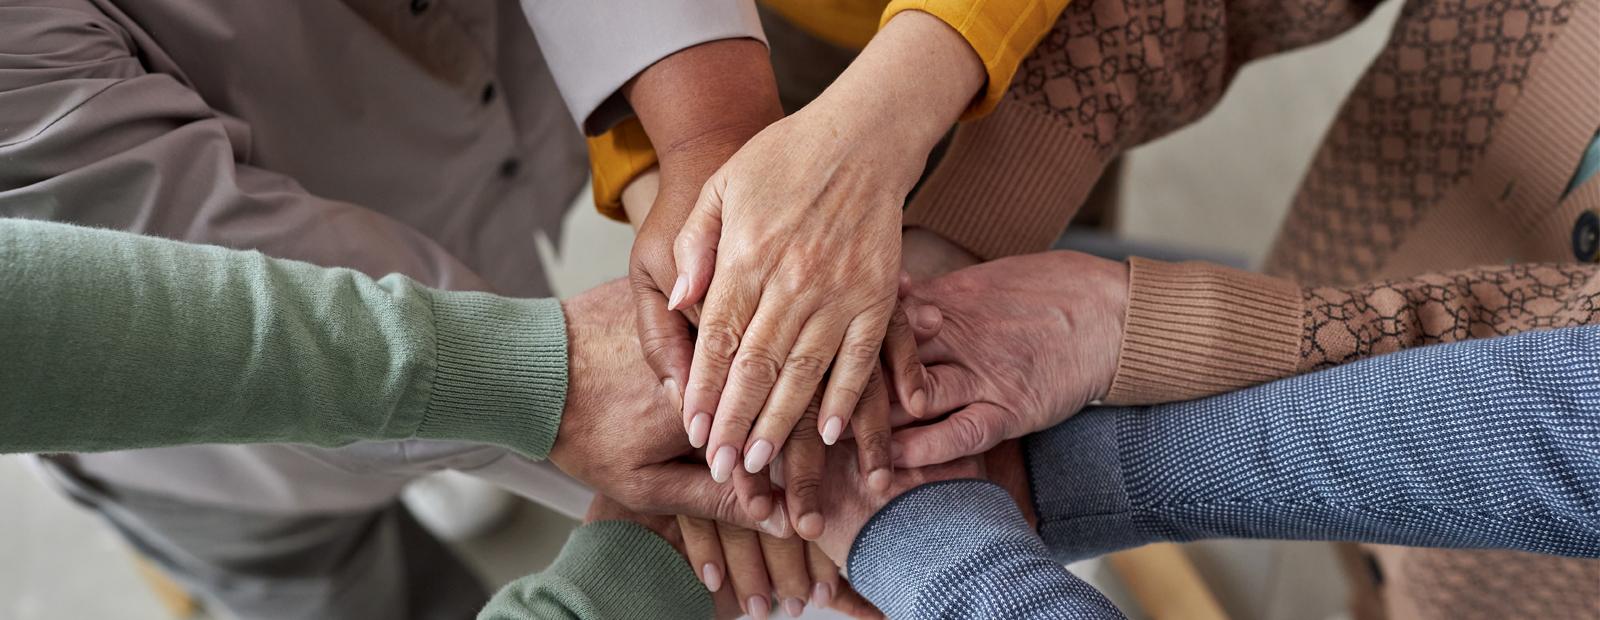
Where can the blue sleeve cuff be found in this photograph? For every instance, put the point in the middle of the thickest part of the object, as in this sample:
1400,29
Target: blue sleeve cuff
961,548
1075,471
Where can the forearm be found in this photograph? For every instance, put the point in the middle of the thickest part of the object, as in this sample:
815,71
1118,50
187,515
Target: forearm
962,549
1195,329
119,341
699,105
1483,444
608,569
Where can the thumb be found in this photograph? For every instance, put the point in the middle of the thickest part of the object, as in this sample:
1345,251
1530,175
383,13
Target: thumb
687,490
663,337
695,249
966,432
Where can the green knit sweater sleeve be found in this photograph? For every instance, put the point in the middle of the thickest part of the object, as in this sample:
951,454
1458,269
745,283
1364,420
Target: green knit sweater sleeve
110,340
608,569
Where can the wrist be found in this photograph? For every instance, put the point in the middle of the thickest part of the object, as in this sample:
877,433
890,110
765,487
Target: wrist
908,86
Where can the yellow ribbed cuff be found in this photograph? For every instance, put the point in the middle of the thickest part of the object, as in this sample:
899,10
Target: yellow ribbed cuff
616,158
1002,32
1196,329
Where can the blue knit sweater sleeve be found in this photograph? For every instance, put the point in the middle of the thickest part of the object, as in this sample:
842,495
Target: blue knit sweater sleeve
961,549
1486,444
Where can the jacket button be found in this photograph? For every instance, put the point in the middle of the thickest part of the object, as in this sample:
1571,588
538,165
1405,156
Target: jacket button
488,93
418,7
1586,237
509,167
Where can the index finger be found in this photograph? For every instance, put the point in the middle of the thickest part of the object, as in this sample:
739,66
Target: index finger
664,338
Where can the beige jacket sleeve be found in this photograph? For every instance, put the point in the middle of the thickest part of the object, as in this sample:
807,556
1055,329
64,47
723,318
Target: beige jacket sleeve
88,136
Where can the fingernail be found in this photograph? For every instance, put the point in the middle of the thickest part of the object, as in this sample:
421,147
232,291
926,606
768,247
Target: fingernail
794,607
810,526
699,430
918,404
776,524
757,457
757,607
879,480
896,451
673,394
679,289
722,465
831,430
927,318
712,577
822,595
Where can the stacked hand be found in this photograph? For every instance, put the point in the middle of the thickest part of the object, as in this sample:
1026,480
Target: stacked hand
1025,342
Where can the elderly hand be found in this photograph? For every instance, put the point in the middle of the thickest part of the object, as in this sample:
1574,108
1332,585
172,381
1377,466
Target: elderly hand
794,245
617,433
1025,343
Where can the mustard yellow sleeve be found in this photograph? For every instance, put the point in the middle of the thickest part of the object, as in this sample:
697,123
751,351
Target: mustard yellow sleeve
616,157
1002,32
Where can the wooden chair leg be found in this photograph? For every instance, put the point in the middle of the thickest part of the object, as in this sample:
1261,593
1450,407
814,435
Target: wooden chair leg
1165,584
172,596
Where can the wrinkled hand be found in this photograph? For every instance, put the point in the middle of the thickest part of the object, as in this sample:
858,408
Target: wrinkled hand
802,231
763,570
1025,342
617,433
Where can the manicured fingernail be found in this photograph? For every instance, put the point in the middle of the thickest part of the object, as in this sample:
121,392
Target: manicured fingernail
777,523
673,394
831,430
756,458
699,430
757,607
722,464
879,480
679,289
712,577
918,406
794,607
822,595
810,526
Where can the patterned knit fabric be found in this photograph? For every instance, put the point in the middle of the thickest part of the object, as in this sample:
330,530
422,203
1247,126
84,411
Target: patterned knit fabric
1486,444
961,549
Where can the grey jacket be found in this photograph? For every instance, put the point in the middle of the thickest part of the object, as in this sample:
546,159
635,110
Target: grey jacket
425,137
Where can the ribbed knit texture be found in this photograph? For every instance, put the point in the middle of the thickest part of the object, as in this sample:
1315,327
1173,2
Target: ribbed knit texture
118,341
961,549
981,200
500,371
1194,329
608,570
1481,444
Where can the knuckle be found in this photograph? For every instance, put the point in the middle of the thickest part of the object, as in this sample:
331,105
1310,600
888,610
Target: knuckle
874,448
727,507
806,367
805,488
757,366
719,342
861,351
969,434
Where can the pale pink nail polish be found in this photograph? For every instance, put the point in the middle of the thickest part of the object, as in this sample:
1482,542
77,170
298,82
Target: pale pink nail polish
822,594
699,430
794,607
760,452
679,289
722,465
712,577
757,607
831,430
776,524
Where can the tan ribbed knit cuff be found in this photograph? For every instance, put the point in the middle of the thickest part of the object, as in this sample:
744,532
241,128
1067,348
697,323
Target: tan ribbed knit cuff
1197,329
1009,183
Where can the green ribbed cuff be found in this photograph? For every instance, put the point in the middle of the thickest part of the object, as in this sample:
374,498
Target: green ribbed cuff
630,572
500,371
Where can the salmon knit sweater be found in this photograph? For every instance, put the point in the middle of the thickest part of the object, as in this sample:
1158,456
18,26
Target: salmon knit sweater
1435,211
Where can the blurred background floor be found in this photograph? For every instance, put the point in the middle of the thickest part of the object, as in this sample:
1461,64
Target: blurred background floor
1219,187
